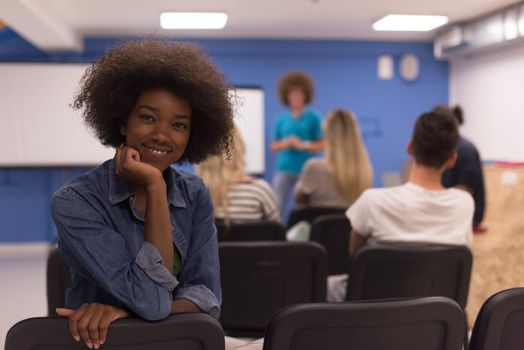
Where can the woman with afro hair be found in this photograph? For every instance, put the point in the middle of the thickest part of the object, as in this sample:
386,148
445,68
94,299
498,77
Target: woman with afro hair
139,236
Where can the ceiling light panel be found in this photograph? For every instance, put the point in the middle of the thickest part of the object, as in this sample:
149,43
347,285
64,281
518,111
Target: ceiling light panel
409,23
193,20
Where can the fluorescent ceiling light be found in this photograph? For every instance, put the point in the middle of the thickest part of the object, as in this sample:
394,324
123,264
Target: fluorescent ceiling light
193,20
412,23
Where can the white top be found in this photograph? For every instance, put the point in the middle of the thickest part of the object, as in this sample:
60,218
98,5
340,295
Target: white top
320,186
250,201
411,213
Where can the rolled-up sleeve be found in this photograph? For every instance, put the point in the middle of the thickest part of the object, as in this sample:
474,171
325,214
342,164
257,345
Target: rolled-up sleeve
150,260
91,247
199,280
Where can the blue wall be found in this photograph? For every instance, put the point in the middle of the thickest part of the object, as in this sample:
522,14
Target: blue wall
345,76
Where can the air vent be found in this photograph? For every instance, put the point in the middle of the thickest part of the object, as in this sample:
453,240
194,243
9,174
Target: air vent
504,26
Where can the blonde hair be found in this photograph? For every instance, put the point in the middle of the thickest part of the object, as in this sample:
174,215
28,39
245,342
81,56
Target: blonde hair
219,173
346,156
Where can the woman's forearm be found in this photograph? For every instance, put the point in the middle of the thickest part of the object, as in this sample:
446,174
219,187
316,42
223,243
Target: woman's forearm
277,146
158,223
181,306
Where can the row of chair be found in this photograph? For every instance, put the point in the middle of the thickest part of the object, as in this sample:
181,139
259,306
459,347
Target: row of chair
259,278
431,323
309,214
332,231
272,231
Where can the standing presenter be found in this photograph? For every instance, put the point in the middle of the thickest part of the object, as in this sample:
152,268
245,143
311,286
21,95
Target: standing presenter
297,135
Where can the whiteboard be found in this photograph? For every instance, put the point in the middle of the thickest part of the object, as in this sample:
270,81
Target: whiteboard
249,119
38,128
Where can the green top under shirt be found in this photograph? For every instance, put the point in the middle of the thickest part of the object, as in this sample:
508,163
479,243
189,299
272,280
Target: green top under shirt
177,262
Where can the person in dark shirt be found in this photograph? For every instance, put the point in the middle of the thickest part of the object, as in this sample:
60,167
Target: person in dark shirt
467,173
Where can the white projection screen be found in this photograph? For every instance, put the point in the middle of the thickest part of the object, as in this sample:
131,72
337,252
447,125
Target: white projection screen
39,129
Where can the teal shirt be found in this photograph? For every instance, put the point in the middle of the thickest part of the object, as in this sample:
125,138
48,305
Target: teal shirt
307,127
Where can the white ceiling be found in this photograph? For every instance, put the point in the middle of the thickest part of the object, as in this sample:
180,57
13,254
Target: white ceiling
62,24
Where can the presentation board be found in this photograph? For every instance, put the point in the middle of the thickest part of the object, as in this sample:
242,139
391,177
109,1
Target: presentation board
39,128
249,119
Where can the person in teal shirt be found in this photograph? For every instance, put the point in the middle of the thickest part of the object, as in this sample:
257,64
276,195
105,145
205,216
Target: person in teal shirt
297,135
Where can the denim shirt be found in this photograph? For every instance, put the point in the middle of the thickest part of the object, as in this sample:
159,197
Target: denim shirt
101,237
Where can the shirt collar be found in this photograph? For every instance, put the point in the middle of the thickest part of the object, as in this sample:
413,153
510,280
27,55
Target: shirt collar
119,190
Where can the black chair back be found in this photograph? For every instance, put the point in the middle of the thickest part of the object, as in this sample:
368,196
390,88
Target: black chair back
311,213
435,323
181,332
58,280
258,231
500,322
333,232
259,278
415,270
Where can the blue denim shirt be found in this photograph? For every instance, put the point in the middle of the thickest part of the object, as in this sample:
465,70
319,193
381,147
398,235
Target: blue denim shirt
101,237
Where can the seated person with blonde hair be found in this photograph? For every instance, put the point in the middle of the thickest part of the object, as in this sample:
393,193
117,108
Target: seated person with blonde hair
237,197
345,172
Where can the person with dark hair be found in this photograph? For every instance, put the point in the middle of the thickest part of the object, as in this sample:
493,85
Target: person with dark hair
420,211
297,135
467,173
138,235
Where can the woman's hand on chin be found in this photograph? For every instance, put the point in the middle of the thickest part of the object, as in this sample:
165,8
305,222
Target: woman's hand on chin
129,167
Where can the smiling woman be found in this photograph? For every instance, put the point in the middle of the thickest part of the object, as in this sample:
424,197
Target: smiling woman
139,236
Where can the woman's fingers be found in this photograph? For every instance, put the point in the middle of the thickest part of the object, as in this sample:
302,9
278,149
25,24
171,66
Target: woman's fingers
94,324
63,312
125,157
74,318
131,153
106,320
84,323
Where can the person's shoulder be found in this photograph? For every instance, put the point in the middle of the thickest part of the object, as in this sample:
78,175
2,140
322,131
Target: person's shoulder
460,195
191,185
367,199
91,180
379,195
371,194
258,184
466,142
314,164
467,147
188,180
463,202
93,183
377,191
